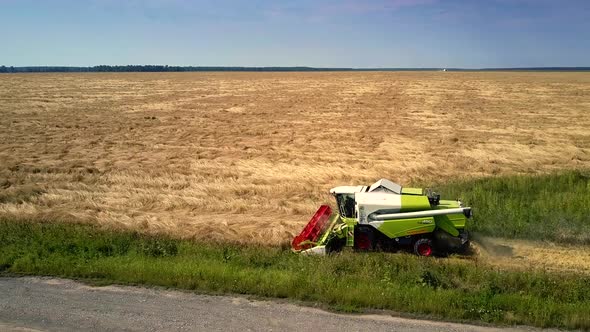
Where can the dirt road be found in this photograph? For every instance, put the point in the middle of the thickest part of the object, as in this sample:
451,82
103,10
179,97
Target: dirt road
46,304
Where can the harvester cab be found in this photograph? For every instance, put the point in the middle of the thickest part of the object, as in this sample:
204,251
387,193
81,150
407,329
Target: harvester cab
386,216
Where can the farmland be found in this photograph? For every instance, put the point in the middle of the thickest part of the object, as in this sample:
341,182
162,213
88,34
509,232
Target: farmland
248,157
199,181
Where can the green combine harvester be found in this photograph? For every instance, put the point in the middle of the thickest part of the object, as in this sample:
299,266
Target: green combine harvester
386,217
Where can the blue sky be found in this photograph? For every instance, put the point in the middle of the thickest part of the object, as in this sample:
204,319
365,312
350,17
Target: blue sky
319,33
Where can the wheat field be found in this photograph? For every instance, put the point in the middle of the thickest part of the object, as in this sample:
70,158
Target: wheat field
248,157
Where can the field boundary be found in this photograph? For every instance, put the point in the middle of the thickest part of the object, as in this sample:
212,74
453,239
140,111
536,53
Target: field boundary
455,289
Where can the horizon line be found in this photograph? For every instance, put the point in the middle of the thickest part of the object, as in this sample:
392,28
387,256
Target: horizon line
188,68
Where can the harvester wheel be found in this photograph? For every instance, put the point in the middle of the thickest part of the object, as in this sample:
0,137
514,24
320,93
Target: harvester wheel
363,238
335,244
423,247
467,249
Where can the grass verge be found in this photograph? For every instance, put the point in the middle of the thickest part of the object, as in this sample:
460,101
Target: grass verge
554,207
453,289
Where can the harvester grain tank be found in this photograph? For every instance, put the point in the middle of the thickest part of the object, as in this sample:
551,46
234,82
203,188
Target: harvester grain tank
386,216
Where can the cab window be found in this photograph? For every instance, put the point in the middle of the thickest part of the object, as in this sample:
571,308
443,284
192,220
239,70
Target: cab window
346,205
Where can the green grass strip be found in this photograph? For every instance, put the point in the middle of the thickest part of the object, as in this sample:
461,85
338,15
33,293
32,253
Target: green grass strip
453,289
553,207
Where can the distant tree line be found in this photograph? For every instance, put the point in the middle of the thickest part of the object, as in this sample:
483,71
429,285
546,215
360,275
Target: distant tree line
165,68
151,68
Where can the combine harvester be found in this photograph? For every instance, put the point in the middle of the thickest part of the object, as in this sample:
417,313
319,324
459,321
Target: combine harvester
386,217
